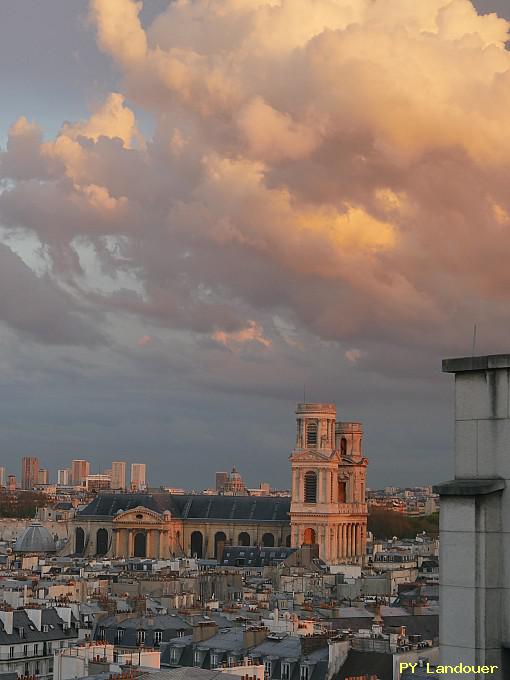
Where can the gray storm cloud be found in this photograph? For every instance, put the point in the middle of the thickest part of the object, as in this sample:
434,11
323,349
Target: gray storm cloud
334,163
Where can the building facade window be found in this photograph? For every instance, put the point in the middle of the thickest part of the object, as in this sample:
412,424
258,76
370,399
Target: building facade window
304,673
310,489
311,434
285,671
267,668
158,637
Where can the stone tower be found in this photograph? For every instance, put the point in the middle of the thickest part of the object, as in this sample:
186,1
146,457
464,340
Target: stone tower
328,485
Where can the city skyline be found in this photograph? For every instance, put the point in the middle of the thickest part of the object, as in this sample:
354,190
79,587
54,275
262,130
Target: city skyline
185,255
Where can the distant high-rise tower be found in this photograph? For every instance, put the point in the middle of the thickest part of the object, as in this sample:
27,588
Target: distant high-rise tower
64,477
80,470
328,485
44,477
221,480
138,481
29,472
11,483
2,476
118,475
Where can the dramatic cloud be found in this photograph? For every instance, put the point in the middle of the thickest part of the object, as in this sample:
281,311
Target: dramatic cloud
333,161
39,309
331,171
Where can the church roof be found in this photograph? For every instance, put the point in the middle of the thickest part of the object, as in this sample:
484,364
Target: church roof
35,539
193,506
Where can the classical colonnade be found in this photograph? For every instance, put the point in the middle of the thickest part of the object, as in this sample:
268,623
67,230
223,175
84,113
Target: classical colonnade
338,542
139,542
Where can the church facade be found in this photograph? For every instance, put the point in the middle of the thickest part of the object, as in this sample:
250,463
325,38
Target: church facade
328,485
327,507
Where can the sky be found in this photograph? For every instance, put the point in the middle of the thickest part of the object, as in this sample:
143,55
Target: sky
212,209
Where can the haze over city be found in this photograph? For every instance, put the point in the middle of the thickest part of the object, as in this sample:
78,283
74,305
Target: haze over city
212,209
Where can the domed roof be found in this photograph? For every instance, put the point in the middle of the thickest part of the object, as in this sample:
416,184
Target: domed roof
35,539
235,476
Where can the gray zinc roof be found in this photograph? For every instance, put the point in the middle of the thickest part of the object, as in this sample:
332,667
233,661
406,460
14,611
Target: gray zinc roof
193,506
35,539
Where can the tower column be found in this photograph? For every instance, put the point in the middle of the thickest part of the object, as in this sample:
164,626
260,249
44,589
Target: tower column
295,537
358,539
334,543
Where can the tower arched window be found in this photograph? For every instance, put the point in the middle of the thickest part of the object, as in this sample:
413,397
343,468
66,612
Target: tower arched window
310,487
311,434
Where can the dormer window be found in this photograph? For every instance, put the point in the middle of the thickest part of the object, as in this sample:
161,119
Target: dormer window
158,637
140,637
267,668
119,635
285,671
45,628
197,658
21,632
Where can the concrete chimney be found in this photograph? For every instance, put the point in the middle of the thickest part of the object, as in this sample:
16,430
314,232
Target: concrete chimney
254,636
65,614
35,615
7,619
204,630
475,519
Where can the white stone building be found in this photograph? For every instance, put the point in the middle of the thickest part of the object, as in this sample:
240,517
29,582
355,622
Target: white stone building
29,637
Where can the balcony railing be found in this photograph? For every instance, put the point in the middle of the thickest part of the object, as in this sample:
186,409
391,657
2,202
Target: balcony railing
353,508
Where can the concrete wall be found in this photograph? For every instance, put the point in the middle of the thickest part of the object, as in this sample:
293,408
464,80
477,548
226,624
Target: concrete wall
11,528
475,519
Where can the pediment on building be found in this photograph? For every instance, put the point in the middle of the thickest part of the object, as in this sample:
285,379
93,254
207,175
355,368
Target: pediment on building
311,456
138,515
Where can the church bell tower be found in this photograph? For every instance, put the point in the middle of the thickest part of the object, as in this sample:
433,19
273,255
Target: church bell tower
328,504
